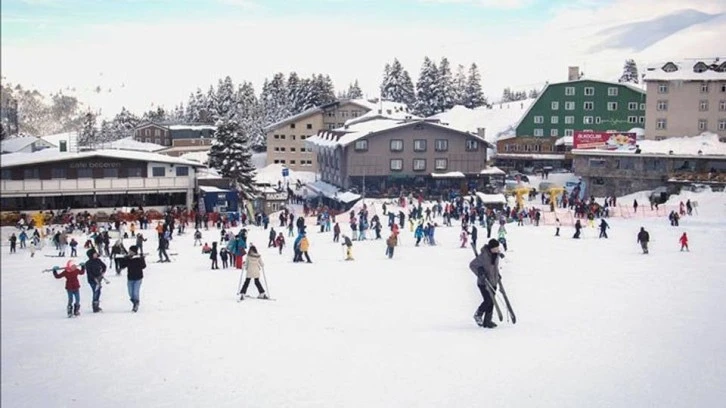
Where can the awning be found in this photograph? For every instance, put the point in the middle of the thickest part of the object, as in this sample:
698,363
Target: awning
451,174
492,170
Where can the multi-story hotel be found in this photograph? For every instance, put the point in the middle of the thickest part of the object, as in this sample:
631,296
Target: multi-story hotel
685,98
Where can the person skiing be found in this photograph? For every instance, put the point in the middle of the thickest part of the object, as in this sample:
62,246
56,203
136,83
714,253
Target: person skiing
643,239
419,233
578,228
95,269
391,244
557,227
486,268
213,255
603,228
684,242
136,264
348,244
280,242
254,268
73,286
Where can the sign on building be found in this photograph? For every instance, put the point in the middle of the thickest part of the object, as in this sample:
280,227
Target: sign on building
604,140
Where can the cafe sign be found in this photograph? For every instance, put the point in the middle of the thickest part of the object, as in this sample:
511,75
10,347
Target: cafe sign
95,165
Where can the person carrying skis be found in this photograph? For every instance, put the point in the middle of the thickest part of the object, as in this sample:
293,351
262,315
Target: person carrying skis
95,269
486,268
136,264
254,268
643,239
348,244
603,228
684,242
280,242
73,286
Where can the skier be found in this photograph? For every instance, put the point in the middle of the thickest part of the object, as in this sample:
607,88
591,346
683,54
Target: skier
419,233
254,267
95,269
643,239
578,227
486,268
213,255
136,264
349,248
501,234
336,232
391,244
557,226
73,286
684,242
603,228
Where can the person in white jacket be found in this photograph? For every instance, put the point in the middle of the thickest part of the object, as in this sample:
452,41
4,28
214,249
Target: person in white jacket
254,266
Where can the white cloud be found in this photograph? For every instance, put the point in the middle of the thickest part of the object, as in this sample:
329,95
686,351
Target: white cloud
499,4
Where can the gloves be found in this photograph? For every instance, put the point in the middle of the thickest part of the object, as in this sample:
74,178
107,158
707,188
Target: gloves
82,265
56,269
501,255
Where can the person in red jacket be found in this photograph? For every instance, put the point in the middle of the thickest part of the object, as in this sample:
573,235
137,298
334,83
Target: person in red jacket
73,286
684,242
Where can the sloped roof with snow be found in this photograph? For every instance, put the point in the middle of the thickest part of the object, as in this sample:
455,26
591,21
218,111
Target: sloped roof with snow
52,155
15,144
499,121
707,143
192,127
714,69
129,143
68,137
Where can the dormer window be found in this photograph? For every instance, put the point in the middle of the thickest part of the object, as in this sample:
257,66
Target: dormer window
700,67
670,67
722,67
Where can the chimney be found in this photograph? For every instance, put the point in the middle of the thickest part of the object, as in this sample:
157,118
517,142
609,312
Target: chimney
573,73
481,132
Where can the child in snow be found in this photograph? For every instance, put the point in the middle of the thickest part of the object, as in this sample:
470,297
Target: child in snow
224,255
391,243
280,242
73,286
464,237
684,242
348,244
206,248
213,255
502,236
136,264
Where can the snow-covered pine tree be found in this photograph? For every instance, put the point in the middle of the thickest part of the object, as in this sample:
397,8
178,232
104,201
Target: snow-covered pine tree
211,109
507,95
473,95
88,134
274,99
354,91
426,92
533,93
397,85
230,154
157,115
249,115
226,104
325,91
444,87
294,93
459,85
122,125
191,113
630,72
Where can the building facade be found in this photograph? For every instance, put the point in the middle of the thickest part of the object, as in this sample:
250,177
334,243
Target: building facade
536,153
383,157
153,133
584,104
685,98
93,179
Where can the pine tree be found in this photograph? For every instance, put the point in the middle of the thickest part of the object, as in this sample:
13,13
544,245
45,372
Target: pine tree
459,86
249,115
354,91
473,95
225,99
426,92
630,73
230,154
122,125
88,135
444,87
294,95
324,89
211,110
533,93
507,95
274,99
397,85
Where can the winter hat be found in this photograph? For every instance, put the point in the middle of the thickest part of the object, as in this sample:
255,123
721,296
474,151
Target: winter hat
134,249
90,253
493,243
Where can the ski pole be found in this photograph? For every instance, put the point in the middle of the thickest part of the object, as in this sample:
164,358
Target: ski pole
264,280
239,285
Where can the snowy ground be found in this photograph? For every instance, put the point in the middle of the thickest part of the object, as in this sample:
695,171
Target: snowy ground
599,325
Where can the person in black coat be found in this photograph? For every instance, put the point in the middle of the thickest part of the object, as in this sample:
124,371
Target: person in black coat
474,234
643,239
95,269
486,267
213,256
135,274
578,227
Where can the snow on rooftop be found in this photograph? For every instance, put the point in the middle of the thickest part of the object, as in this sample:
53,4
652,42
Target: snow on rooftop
272,173
492,170
192,127
52,155
15,144
707,143
67,137
685,70
451,174
128,143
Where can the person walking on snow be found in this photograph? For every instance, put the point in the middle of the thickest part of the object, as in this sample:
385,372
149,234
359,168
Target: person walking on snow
603,228
336,232
197,238
578,227
213,255
280,242
391,244
73,286
13,241
136,264
474,234
684,242
254,268
464,237
557,227
643,239
95,269
486,268
502,236
348,244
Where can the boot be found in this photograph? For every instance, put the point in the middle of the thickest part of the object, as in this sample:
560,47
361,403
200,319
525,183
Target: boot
70,310
477,319
96,308
77,309
135,308
263,295
487,322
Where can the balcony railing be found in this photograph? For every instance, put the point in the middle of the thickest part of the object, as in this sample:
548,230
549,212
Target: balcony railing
95,185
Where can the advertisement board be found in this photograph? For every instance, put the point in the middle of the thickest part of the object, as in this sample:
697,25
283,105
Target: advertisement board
604,140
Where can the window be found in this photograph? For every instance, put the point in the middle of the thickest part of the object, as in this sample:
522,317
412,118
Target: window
703,106
30,174
361,145
588,120
661,124
292,161
443,164
632,106
419,164
282,161
598,120
309,126
589,91
702,124
662,88
472,145
293,137
641,119
282,137
612,91
132,172
157,141
292,149
58,173
661,105
85,173
555,105
589,105
308,162
277,161
277,149
396,164
569,120
330,114
539,119
569,132
6,174
147,132
722,106
554,120
158,171
419,145
612,106
538,132
341,125
624,164
569,105
344,113
704,87
276,136
110,173
396,145
569,91
554,132
723,88
302,150
597,163
632,119
355,113
282,149
157,132
292,126
182,171
303,137
442,145
147,140
722,124
642,106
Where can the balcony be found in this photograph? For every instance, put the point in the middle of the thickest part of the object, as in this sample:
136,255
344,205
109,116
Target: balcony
89,186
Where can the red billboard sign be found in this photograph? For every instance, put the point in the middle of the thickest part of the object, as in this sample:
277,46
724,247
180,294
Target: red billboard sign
604,140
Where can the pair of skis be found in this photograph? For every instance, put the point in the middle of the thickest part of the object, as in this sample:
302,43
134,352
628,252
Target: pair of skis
492,293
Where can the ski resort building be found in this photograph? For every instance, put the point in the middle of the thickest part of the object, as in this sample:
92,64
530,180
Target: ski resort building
685,98
50,179
179,139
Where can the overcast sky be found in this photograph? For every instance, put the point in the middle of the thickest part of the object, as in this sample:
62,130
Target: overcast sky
155,52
